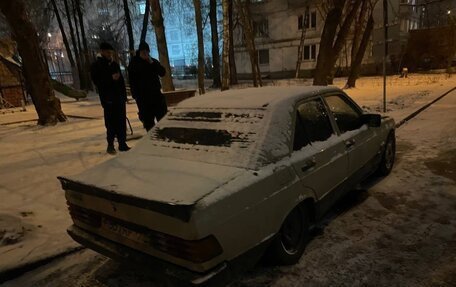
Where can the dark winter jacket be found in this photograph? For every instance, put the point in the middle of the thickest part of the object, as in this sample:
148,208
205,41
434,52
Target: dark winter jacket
111,91
144,78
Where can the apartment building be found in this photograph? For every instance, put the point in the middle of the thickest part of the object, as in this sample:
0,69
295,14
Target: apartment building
278,27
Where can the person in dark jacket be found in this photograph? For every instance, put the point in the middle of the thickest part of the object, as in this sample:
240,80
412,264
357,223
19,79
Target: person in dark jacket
144,74
106,75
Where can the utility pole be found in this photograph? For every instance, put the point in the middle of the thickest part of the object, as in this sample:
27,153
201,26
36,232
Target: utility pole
385,49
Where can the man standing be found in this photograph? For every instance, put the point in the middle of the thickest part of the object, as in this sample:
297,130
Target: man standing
144,73
110,84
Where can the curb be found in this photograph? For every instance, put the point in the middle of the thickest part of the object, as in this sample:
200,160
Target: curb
415,113
17,271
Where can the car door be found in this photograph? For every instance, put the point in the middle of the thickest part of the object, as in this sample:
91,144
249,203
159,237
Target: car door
319,159
359,139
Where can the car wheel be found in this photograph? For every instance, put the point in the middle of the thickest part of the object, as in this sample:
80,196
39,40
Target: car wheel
388,156
290,242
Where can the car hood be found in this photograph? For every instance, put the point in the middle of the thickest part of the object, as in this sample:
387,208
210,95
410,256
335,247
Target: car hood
152,178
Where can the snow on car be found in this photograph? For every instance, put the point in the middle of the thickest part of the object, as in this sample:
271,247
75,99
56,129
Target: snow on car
227,175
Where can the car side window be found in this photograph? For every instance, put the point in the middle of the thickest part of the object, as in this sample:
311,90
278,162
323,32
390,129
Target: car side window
312,124
347,116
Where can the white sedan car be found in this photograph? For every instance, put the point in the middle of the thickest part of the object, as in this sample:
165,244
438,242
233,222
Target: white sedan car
229,176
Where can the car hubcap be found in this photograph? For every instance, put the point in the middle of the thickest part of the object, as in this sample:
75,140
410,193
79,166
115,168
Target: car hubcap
292,232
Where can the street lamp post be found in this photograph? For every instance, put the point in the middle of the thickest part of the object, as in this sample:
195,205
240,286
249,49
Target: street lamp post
385,49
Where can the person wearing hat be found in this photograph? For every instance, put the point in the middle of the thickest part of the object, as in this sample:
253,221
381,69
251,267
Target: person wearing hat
144,74
106,76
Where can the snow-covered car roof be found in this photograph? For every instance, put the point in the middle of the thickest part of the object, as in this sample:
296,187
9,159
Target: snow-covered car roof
245,128
254,98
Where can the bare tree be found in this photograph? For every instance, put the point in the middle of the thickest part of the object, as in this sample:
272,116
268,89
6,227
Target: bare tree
131,40
64,36
145,22
157,21
232,63
199,32
216,83
244,13
84,43
35,69
333,39
74,43
226,45
360,47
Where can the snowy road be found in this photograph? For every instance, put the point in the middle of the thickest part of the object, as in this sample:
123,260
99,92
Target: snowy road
399,231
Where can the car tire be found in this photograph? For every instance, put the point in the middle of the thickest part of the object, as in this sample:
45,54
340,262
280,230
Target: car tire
388,156
290,242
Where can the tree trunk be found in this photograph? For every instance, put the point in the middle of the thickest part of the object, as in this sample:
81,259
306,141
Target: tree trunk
76,26
73,41
145,22
131,40
199,32
157,21
356,64
232,63
216,83
226,46
332,41
89,85
64,37
36,74
84,72
326,45
342,35
359,27
242,8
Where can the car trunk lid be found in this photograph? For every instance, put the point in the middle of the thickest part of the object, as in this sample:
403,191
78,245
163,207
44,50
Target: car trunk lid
167,185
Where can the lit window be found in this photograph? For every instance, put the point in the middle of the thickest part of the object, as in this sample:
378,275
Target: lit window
142,7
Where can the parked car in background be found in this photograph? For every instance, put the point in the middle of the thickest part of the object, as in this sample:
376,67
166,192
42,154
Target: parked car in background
226,175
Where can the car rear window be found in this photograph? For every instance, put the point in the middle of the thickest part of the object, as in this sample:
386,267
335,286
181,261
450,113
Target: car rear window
222,136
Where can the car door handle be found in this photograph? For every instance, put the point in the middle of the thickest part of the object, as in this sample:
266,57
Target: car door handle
350,143
308,165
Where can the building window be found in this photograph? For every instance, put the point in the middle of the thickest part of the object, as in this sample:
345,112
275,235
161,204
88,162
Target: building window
405,25
103,11
310,53
263,57
142,8
261,28
174,36
308,20
176,50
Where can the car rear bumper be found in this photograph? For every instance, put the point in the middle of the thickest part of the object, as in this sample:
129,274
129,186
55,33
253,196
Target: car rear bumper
158,267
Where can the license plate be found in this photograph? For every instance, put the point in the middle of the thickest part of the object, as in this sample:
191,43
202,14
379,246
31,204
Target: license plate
123,231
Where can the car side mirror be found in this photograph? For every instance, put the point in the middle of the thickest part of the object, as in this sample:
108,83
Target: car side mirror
372,120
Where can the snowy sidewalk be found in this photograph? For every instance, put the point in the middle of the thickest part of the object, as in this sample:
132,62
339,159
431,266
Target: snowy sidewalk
33,212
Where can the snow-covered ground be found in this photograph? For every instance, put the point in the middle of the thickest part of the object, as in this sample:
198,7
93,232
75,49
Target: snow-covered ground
400,231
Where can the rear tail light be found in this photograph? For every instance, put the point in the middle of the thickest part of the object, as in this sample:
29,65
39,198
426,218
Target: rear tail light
197,251
84,215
